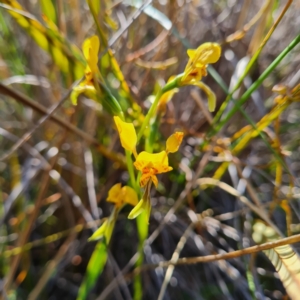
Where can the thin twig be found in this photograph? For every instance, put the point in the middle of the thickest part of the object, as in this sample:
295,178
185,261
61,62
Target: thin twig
215,257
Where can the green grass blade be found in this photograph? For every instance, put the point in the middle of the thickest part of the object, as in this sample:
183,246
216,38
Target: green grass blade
254,86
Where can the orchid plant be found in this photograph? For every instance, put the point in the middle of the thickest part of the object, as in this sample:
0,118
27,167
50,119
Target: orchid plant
147,163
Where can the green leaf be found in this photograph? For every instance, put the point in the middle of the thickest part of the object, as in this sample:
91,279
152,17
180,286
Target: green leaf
94,269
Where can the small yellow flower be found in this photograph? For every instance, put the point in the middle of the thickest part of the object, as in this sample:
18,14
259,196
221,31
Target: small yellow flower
119,196
122,195
127,134
207,53
174,142
150,165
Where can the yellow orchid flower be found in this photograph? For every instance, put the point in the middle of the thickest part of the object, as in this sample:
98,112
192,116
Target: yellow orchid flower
119,196
127,134
122,195
174,142
207,53
151,164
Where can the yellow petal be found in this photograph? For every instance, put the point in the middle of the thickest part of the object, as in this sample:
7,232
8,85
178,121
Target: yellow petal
165,98
115,194
158,161
90,50
84,87
191,53
211,97
144,179
154,180
127,134
130,195
207,53
174,142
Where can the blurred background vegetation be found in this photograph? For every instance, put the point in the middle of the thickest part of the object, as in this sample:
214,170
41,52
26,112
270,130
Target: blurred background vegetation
235,179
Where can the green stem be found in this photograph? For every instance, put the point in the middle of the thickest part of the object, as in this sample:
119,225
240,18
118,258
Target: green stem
153,133
131,171
255,86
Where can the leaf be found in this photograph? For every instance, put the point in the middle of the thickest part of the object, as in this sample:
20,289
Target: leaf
285,260
94,269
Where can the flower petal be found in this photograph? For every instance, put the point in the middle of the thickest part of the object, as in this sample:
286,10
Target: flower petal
90,48
129,195
174,142
127,134
144,179
115,194
211,97
154,180
84,87
157,161
207,53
